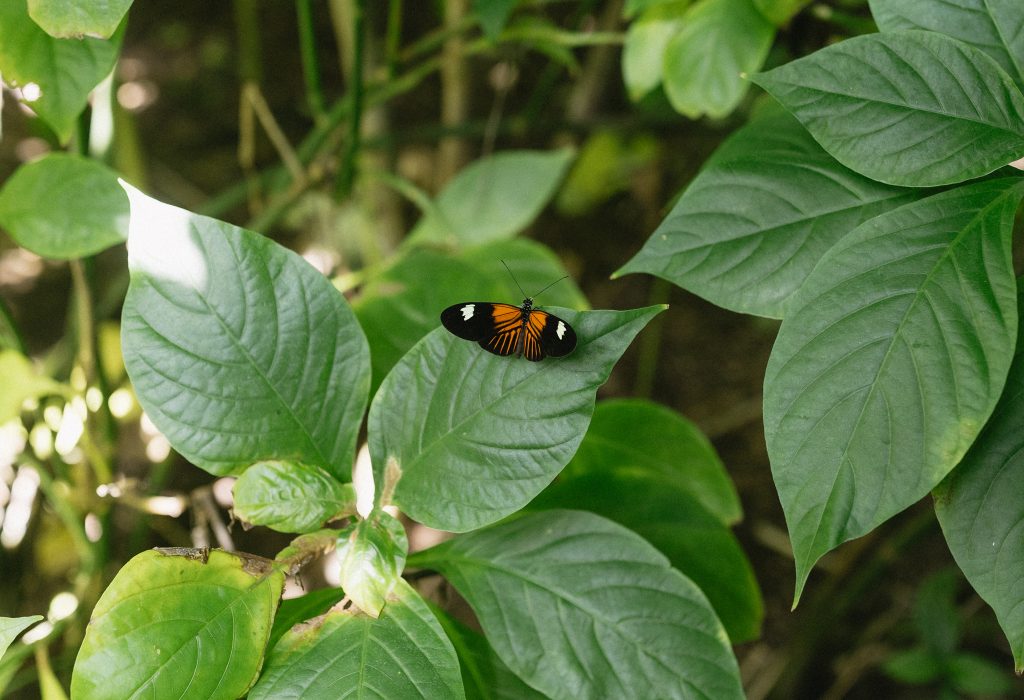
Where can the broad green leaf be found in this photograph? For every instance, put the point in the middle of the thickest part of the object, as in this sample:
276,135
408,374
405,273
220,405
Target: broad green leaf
297,610
980,507
21,381
578,606
473,436
484,674
994,26
291,496
644,49
915,666
348,654
238,349
977,676
372,555
73,18
779,12
609,162
11,627
891,361
909,108
404,303
652,439
935,615
495,197
64,71
64,206
706,62
173,623
668,516
759,215
493,15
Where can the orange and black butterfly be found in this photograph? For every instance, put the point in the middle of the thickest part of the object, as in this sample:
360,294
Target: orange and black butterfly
505,329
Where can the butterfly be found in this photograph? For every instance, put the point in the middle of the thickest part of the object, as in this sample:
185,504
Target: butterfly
504,329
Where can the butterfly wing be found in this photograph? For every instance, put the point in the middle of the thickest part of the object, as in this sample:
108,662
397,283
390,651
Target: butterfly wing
547,336
496,327
506,334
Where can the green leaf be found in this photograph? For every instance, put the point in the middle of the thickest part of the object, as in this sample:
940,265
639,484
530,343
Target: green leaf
495,197
296,610
64,206
10,338
72,18
935,615
910,108
474,436
757,218
11,627
706,63
291,497
21,381
238,349
372,556
578,606
404,302
670,518
779,12
993,26
980,507
493,15
976,675
484,674
644,48
634,7
402,654
649,438
609,162
915,667
890,362
64,70
174,623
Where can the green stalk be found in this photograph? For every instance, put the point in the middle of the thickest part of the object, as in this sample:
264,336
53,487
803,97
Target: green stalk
392,37
310,65
348,163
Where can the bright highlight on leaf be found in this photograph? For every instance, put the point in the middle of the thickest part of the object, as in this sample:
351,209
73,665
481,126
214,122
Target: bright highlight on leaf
893,357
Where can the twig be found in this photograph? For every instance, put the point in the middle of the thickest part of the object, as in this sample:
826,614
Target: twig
348,163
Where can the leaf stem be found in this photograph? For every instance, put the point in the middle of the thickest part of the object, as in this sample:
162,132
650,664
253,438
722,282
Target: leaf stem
310,65
348,163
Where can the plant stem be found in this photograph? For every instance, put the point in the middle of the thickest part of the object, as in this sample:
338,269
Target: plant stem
650,342
392,37
348,164
310,65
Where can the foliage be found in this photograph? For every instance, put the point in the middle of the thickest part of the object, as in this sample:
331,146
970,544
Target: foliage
872,213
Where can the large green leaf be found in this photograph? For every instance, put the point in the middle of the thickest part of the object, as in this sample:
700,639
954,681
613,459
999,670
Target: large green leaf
473,436
64,206
909,108
73,18
347,654
372,553
668,516
578,606
643,50
290,496
293,611
648,437
981,506
493,15
64,70
11,627
779,12
238,349
404,302
889,364
759,215
174,624
495,197
994,26
705,63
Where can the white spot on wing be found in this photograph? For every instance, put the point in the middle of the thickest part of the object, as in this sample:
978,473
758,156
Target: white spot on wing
560,331
467,312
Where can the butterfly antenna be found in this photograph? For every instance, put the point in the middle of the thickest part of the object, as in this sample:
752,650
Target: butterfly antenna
525,295
550,286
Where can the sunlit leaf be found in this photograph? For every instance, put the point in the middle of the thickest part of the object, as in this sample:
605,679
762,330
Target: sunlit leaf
705,63
21,381
779,12
291,496
909,108
63,71
371,554
73,18
348,654
643,52
11,627
892,359
474,436
761,212
175,624
238,349
578,606
64,206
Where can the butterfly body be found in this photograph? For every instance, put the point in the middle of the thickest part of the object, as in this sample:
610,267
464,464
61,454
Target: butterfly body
504,329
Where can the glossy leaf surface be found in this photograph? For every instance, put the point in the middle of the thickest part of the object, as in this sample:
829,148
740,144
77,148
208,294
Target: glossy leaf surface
372,553
73,19
290,496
